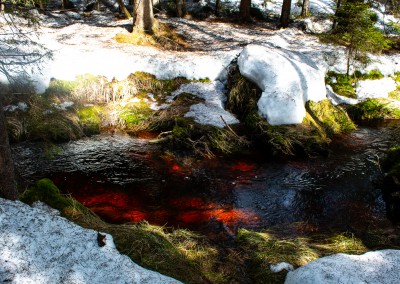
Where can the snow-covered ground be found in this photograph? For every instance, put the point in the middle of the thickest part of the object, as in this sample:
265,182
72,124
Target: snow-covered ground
86,44
38,246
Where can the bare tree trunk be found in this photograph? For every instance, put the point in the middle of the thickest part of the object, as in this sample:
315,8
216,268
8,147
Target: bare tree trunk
335,23
180,8
305,8
2,7
123,9
143,18
8,188
244,10
285,14
217,7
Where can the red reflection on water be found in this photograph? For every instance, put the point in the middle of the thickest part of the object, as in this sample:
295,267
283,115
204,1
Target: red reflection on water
134,216
115,199
231,217
184,203
243,167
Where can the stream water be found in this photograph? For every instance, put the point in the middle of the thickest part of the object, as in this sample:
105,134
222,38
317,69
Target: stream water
124,179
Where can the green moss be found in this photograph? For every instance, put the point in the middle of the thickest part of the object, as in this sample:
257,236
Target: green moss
53,126
374,109
344,85
333,119
90,118
44,190
132,116
341,84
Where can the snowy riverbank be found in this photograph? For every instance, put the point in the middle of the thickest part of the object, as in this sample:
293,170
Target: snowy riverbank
39,246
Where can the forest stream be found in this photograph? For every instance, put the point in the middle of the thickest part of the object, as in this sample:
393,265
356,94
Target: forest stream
125,179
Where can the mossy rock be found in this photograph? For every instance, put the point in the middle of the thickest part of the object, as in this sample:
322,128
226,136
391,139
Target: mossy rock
90,119
46,191
323,120
333,119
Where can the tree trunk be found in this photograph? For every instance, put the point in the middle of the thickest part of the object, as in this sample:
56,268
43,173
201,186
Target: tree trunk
123,9
285,14
305,8
244,10
143,18
180,8
8,188
217,7
335,23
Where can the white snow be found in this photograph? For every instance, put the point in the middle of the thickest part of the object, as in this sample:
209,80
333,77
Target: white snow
39,246
281,266
64,105
288,81
375,88
211,111
337,99
22,106
210,114
376,267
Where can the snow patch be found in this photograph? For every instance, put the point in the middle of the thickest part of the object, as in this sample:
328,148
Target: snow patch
210,112
281,266
39,246
22,106
287,80
372,267
375,88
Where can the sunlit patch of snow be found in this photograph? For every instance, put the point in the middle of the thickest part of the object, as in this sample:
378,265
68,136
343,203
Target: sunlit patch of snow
39,246
281,266
372,267
287,81
375,88
210,114
212,110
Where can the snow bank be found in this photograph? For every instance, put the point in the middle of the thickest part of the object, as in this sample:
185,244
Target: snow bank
381,267
287,80
212,111
69,62
39,246
375,88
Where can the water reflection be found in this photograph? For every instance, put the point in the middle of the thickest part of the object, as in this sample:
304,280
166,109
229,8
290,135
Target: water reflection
128,180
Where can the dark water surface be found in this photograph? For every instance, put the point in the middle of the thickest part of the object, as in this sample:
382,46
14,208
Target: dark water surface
125,179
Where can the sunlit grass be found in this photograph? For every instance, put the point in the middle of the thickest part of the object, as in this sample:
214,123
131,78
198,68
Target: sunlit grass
164,37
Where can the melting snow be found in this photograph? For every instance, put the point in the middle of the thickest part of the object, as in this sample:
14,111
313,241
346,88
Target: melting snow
375,88
39,246
211,111
372,267
287,82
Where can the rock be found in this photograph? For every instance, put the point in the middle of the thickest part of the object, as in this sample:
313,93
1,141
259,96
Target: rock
372,267
288,80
